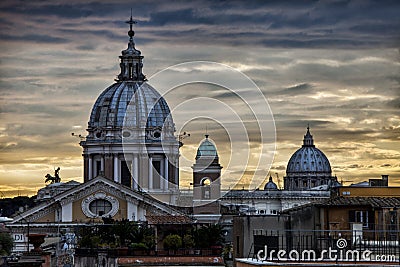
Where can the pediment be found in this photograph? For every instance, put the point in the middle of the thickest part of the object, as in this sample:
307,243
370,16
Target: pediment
88,190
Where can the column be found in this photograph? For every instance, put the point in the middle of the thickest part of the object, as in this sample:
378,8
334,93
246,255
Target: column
161,175
90,168
150,172
66,212
102,164
135,171
176,168
134,167
116,176
108,166
165,173
141,213
85,168
132,211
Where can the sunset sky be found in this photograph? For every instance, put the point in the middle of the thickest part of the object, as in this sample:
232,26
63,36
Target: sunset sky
334,65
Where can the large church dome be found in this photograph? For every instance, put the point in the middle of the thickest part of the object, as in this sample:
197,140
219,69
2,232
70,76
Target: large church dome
131,132
308,159
130,108
308,167
130,104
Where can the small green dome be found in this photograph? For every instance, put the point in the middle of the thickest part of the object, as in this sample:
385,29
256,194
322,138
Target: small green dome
207,149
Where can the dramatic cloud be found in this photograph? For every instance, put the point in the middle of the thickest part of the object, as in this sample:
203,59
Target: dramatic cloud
334,65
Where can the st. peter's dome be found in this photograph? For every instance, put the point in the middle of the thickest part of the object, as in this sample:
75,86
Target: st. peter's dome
308,168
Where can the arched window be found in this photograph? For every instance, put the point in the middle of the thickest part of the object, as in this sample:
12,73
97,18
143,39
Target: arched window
205,184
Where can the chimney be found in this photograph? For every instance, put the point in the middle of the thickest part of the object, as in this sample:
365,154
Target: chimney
385,179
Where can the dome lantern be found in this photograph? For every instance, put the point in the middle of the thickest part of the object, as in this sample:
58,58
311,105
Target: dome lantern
131,59
308,139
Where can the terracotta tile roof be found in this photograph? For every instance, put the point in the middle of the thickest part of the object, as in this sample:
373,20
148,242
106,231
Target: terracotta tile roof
168,219
375,202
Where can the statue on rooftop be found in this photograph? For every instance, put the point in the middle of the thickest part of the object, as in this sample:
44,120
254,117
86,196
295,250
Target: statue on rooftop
53,179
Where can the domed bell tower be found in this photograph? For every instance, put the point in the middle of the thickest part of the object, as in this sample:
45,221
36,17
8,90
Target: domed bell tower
131,132
206,182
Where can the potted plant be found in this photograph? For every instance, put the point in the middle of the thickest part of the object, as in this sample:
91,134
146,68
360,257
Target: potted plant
188,242
172,242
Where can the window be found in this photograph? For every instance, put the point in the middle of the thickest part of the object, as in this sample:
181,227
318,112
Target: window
359,216
98,167
205,186
125,174
100,207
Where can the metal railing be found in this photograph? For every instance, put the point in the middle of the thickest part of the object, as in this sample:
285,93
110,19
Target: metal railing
326,245
126,252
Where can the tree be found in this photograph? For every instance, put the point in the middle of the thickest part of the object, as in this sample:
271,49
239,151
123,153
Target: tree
6,244
9,206
172,242
188,241
122,229
143,237
208,236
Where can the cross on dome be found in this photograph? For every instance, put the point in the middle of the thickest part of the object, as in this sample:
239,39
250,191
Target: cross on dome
131,33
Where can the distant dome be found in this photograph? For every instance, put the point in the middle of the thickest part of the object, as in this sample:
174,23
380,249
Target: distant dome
207,149
308,168
308,159
270,185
